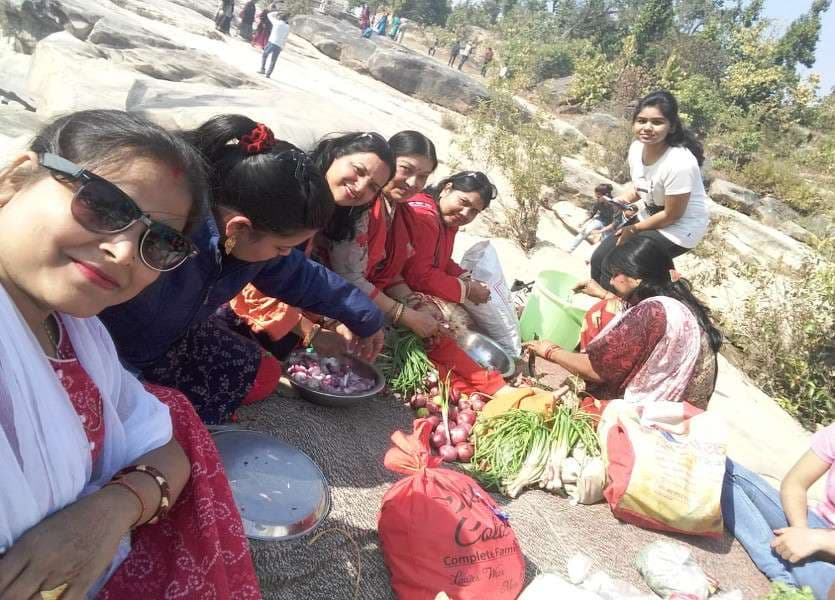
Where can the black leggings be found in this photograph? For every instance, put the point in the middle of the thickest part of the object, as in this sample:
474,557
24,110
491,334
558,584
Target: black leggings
609,243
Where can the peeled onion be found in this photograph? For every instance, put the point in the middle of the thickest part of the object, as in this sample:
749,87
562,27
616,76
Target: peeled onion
448,453
465,451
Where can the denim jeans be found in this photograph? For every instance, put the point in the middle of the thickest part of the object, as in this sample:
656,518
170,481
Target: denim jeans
752,511
585,232
272,51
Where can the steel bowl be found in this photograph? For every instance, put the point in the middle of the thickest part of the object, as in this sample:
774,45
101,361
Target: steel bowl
280,492
357,365
488,353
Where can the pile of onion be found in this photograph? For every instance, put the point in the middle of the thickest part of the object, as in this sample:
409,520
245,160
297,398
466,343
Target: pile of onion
452,444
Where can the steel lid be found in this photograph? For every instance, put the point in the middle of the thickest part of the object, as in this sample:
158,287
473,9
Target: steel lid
279,491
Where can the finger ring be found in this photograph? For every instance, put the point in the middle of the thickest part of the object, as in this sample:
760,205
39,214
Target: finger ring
54,593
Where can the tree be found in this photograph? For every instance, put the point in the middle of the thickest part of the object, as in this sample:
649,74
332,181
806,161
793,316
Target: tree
652,24
800,40
428,12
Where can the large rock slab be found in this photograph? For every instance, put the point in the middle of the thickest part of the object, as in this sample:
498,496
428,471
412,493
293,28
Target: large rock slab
68,74
734,196
411,73
426,80
187,105
123,33
776,213
599,126
555,92
183,65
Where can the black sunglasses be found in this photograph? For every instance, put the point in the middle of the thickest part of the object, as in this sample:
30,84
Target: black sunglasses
101,207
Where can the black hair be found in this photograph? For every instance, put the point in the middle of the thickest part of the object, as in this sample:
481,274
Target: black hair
96,139
679,135
466,181
642,258
604,189
413,143
343,223
276,186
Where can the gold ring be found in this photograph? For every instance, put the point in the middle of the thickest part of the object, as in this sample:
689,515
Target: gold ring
54,593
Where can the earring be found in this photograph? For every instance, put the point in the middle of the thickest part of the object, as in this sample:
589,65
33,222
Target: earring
229,245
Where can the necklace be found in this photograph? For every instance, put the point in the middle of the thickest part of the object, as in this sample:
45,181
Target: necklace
53,337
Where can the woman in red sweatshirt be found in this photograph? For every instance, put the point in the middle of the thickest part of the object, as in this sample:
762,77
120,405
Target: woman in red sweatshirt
432,219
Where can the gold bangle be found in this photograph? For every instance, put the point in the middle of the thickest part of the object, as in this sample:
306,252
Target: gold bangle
311,335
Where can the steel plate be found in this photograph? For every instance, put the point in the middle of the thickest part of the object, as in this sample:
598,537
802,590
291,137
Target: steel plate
279,491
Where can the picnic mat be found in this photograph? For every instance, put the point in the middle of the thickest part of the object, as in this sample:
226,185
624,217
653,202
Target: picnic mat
349,444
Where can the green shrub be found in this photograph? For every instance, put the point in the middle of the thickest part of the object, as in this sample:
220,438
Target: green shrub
593,79
777,177
787,342
524,149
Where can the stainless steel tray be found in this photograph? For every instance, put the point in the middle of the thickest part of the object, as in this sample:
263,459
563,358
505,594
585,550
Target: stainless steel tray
279,491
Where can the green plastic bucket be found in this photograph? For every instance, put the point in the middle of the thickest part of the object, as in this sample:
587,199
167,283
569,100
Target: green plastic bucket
549,314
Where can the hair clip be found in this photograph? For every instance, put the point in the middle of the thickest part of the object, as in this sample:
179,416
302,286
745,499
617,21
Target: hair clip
259,139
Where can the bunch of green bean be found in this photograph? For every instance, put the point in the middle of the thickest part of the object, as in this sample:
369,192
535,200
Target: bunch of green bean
410,366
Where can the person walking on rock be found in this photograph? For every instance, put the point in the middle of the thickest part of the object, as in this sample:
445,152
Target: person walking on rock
247,20
433,45
278,37
365,17
262,32
488,58
453,52
223,18
465,55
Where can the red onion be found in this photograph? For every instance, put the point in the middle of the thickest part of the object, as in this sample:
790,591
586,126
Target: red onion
452,413
464,404
457,435
478,404
465,451
434,421
448,453
454,395
441,428
466,427
467,416
418,400
432,409
438,440
433,391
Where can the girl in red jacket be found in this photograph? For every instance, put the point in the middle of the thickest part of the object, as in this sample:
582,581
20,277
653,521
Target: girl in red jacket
432,219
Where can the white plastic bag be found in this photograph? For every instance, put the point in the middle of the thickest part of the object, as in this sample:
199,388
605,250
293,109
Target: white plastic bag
550,586
496,318
667,567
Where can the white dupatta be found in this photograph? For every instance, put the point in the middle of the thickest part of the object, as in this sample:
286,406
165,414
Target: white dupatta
45,461
666,374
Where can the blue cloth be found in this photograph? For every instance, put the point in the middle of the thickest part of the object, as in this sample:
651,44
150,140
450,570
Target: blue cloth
147,326
752,511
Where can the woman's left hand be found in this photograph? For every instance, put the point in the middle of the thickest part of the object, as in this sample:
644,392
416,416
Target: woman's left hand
73,546
625,233
797,543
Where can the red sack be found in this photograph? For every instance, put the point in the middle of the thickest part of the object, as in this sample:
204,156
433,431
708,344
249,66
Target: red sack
441,532
465,374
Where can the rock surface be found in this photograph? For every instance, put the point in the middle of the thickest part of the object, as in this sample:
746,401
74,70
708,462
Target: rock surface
734,196
404,70
554,92
599,126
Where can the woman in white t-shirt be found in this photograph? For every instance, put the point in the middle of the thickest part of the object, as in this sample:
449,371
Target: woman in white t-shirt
667,186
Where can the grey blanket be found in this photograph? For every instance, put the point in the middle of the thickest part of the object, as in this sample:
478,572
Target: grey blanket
349,444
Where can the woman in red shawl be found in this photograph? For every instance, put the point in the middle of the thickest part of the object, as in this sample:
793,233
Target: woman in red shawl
432,219
262,32
373,258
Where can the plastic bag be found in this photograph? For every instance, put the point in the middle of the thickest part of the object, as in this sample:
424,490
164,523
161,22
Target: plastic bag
440,532
583,477
496,318
550,586
668,568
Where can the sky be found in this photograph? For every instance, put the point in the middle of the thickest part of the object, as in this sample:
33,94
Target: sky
784,12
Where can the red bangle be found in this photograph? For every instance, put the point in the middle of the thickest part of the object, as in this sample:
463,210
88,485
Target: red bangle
120,481
553,348
164,490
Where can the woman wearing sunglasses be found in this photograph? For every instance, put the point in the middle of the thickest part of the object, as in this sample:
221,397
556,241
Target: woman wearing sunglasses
268,198
356,166
432,220
99,476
